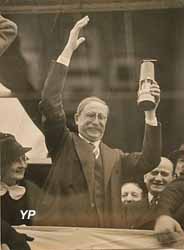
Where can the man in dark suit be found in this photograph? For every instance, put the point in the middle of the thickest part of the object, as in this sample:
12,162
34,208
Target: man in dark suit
86,176
171,213
142,214
8,32
157,179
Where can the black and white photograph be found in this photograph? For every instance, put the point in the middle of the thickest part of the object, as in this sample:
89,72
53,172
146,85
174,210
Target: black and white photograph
92,124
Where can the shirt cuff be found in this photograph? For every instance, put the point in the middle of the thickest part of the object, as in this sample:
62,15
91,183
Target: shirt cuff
64,60
153,122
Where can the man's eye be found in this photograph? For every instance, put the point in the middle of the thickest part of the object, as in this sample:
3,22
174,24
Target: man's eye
164,173
154,172
90,115
102,117
134,194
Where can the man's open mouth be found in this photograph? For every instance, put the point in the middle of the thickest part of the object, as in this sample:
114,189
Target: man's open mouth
158,184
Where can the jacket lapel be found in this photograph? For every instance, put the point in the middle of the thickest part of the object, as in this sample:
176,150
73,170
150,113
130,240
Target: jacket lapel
146,213
87,160
109,158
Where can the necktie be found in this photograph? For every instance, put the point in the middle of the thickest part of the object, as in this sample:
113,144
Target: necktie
16,192
154,201
96,150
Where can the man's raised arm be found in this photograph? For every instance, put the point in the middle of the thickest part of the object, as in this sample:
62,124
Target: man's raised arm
152,143
74,41
51,104
149,158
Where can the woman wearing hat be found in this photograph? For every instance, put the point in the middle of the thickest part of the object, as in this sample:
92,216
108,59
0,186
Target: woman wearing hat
17,194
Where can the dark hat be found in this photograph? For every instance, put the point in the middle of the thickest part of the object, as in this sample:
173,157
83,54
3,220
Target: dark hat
10,149
177,153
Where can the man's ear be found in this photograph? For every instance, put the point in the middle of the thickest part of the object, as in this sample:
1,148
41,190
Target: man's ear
76,118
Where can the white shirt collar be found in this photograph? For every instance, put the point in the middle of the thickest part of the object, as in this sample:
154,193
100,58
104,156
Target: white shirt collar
150,197
95,143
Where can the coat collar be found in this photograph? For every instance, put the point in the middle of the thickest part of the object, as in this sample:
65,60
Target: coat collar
87,160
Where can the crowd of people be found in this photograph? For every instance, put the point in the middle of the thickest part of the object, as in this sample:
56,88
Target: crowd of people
87,184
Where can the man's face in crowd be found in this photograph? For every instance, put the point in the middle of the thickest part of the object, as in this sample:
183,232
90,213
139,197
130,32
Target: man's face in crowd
131,192
15,171
92,121
158,178
179,170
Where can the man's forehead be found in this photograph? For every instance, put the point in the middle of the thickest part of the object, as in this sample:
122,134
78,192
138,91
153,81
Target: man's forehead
167,166
130,187
96,106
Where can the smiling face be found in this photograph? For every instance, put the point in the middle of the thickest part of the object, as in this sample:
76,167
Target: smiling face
131,192
15,171
92,121
158,178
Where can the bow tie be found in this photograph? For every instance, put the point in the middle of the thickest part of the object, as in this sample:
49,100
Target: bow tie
16,192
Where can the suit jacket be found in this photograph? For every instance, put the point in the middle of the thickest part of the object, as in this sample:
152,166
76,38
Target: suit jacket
8,32
172,200
139,215
71,178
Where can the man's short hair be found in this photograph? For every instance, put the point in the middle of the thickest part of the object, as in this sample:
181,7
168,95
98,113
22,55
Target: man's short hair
87,100
164,161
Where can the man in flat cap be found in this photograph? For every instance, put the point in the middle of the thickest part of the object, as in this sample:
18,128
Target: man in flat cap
86,176
8,32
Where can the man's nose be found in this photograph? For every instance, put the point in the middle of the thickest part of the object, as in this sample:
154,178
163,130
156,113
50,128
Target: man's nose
96,119
129,197
158,177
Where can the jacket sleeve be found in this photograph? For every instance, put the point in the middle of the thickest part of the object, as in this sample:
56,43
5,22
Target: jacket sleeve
8,32
138,164
51,106
12,238
172,198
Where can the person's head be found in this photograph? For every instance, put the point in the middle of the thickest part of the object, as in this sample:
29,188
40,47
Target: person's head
13,159
91,118
157,179
178,159
130,192
179,168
